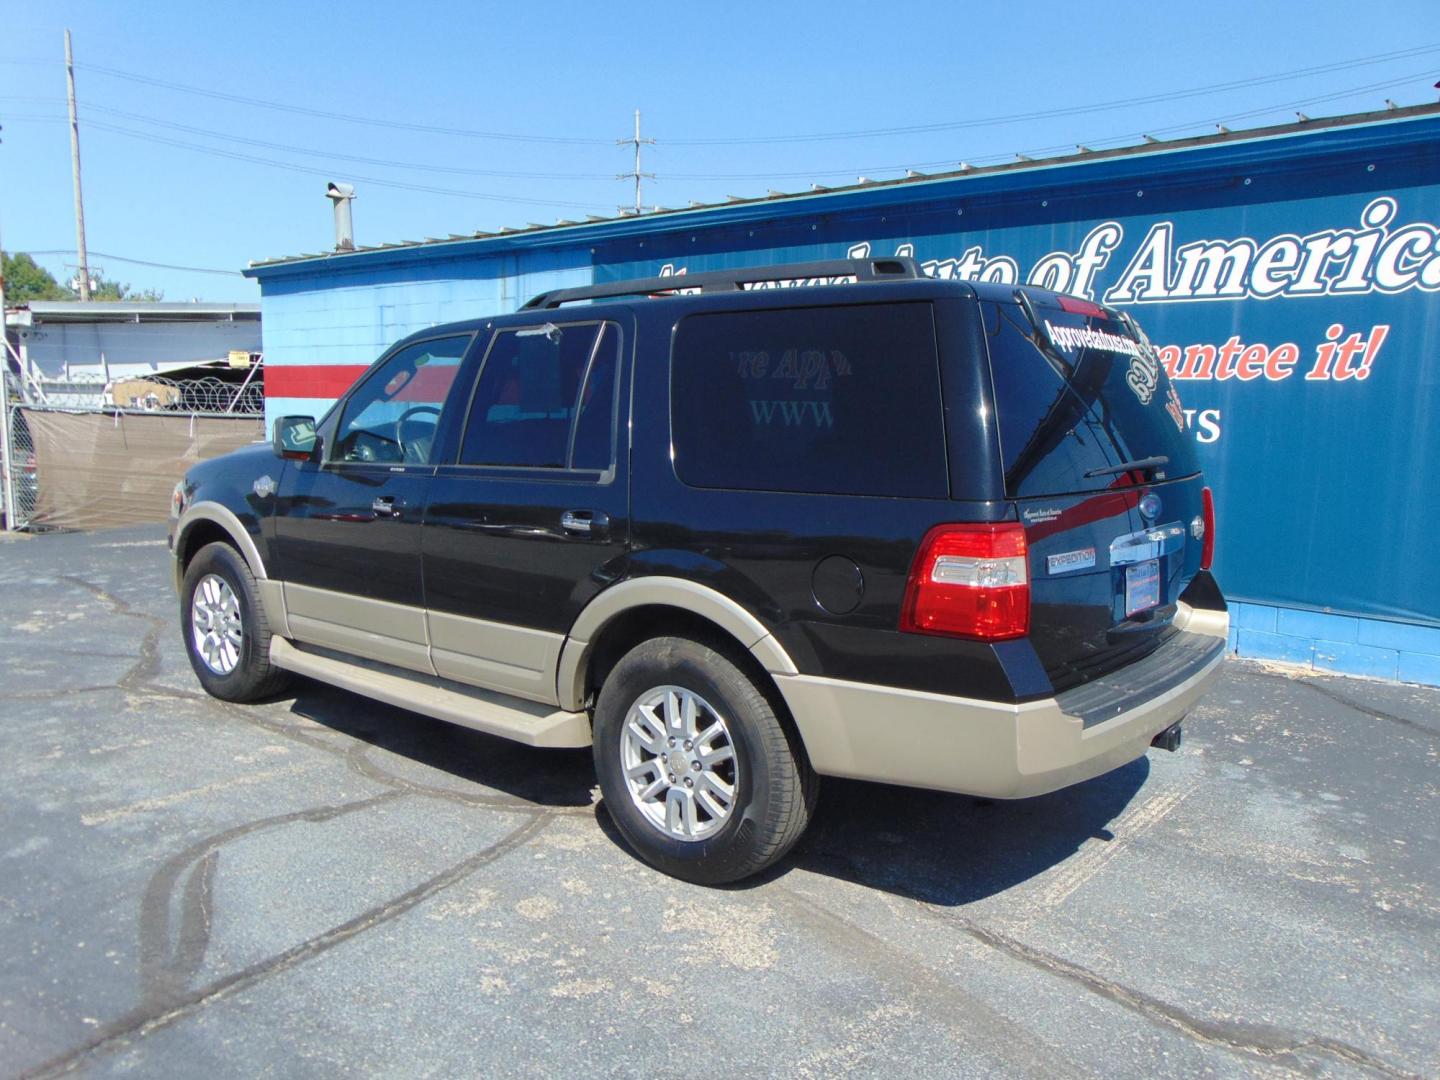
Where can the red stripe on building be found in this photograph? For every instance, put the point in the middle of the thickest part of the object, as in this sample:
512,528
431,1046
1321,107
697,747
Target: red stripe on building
311,380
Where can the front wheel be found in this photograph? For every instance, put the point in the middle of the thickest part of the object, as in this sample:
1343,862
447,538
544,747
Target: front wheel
698,770
226,634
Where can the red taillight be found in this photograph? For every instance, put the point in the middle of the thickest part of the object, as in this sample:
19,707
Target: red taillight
1207,545
970,581
1076,306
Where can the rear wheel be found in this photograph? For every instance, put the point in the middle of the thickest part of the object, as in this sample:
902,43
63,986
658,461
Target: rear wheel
698,769
226,634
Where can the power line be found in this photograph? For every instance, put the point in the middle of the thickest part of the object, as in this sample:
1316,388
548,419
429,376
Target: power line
1249,113
798,174
100,125
391,163
1259,80
436,129
1072,110
540,175
1069,146
378,181
140,262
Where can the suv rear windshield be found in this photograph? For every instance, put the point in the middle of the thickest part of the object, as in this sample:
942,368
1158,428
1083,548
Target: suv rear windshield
832,400
1079,394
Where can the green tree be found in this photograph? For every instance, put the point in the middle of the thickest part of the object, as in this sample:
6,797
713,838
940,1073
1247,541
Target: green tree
26,280
105,289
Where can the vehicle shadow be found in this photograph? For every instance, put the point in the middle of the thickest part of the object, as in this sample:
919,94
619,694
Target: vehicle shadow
955,849
925,845
545,778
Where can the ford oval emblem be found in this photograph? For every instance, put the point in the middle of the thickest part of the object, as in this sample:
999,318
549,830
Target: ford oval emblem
1150,506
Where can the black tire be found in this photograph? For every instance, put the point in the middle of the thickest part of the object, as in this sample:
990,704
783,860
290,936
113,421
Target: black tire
253,677
775,788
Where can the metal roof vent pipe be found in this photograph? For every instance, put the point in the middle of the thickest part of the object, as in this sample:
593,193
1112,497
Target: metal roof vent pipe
341,195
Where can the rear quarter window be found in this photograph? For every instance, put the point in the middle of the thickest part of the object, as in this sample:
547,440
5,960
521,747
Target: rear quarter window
834,400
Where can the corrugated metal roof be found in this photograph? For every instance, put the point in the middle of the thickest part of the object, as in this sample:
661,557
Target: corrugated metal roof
694,214
83,311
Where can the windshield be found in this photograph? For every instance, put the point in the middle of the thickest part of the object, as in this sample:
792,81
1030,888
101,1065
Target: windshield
1080,395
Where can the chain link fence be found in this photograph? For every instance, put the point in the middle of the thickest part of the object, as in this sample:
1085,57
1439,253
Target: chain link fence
18,464
209,398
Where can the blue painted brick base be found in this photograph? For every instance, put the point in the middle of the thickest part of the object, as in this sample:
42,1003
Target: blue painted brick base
1293,650
1419,668
1357,659
1342,643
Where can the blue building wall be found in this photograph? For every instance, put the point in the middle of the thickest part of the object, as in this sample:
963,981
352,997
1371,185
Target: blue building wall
345,318
1309,380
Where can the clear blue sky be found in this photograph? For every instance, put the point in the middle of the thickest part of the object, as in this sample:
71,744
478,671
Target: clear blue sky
741,73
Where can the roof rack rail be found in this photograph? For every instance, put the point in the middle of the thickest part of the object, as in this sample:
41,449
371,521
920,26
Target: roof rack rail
899,268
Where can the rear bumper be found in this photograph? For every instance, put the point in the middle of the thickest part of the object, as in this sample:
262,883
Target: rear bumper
1003,751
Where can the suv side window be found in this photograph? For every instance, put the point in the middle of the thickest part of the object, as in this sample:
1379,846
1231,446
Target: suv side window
394,414
834,400
546,399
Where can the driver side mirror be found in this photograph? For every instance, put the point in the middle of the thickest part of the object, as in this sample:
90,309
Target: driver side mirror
295,438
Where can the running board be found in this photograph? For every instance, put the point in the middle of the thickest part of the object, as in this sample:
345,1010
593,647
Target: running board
495,714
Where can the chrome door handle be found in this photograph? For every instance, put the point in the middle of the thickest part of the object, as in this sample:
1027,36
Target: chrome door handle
385,504
585,522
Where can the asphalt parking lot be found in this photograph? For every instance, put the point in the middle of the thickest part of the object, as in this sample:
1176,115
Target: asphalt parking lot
325,885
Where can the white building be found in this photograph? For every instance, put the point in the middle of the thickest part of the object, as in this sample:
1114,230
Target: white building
101,341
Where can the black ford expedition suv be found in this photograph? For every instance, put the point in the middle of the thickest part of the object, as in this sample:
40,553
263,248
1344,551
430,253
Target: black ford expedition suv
829,519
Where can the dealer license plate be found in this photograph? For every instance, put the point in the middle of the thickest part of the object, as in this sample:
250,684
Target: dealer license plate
1142,586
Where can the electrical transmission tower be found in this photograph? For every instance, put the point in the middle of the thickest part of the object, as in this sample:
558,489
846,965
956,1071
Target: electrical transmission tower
637,175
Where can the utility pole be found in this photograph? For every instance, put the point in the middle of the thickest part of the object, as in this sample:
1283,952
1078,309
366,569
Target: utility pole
75,169
637,175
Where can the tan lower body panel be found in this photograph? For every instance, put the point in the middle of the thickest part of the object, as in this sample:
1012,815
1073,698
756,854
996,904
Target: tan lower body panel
511,659
375,629
974,747
495,714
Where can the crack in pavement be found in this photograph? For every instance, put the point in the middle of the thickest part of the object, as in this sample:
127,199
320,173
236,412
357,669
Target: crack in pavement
147,665
1341,699
1270,1042
167,1010
1267,1041
49,695
166,970
966,1013
1365,710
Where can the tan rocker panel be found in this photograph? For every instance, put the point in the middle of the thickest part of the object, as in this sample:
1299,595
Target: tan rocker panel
495,714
